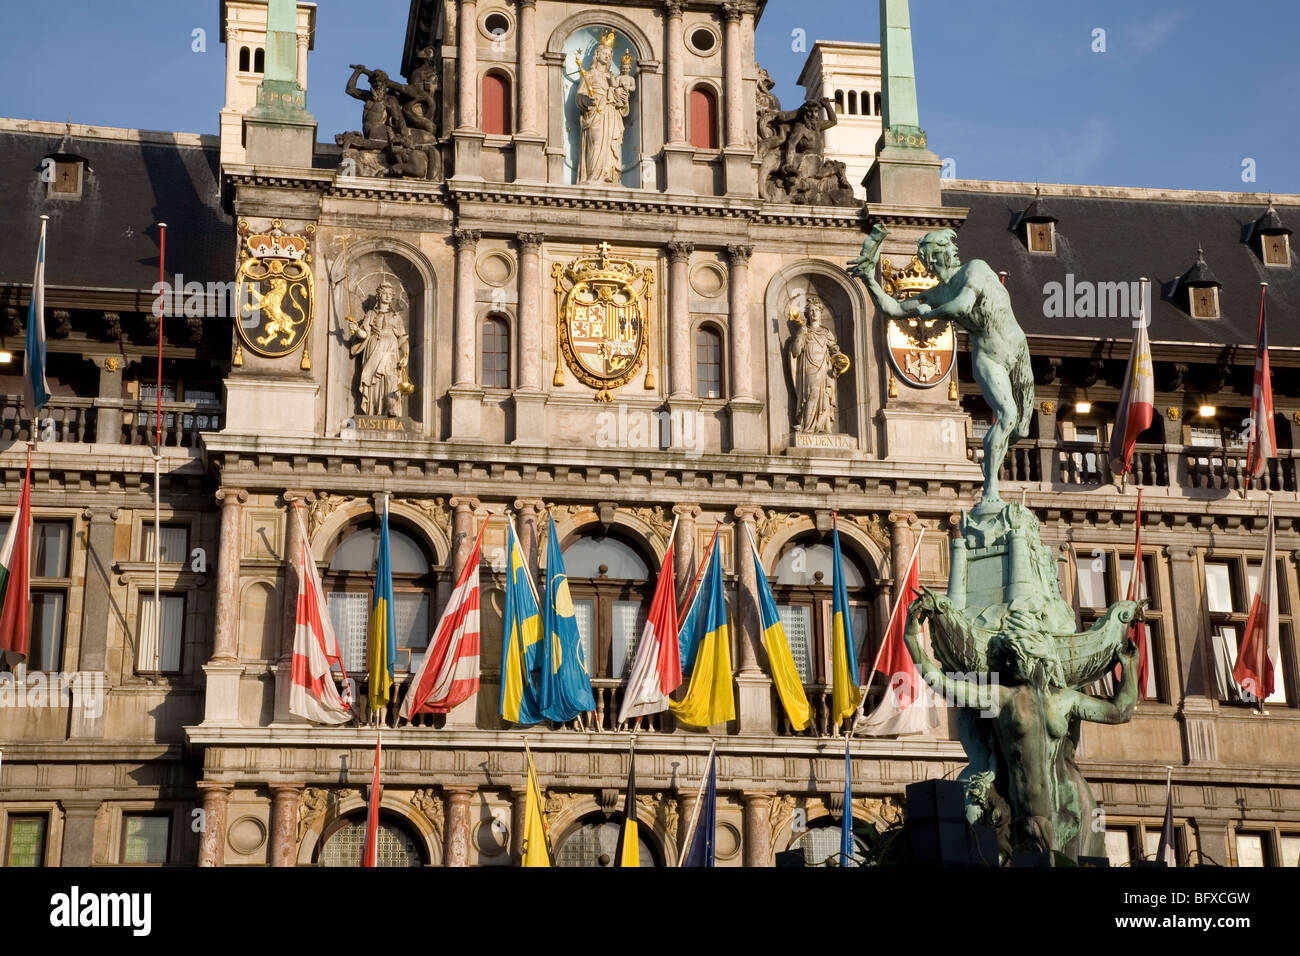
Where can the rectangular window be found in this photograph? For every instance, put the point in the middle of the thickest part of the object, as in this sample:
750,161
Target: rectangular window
349,613
1119,846
1091,579
1290,845
1250,849
50,548
45,652
584,612
25,842
1218,587
496,353
160,637
708,363
628,621
1277,250
175,543
796,619
1042,236
145,837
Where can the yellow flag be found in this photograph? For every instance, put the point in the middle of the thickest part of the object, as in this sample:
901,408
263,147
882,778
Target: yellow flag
631,845
710,699
535,852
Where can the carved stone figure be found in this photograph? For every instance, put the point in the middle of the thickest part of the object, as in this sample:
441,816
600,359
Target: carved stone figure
401,123
604,101
382,341
791,147
815,363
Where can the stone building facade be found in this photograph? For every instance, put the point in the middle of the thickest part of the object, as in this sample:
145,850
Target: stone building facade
455,249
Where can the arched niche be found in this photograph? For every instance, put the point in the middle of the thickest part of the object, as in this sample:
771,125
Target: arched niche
259,623
355,276
858,393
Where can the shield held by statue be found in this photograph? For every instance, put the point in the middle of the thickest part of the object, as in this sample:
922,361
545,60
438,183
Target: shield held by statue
276,292
921,351
603,329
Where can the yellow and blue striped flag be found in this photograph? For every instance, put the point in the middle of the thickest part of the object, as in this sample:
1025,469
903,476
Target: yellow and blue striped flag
382,647
521,635
789,687
565,683
710,698
845,693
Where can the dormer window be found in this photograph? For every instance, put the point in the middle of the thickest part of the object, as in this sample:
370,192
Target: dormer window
1271,239
1201,289
64,175
1037,227
1205,302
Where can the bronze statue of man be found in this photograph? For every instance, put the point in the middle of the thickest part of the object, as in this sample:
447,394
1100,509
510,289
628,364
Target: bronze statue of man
971,295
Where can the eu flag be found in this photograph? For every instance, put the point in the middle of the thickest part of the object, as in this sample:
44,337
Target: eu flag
565,685
383,624
845,693
520,639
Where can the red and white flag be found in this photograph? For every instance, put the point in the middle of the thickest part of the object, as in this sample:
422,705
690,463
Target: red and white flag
1263,438
657,668
15,592
1138,630
312,693
1136,400
449,672
370,849
909,705
1258,656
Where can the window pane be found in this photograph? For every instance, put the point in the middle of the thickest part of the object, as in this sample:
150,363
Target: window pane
1126,573
50,549
144,838
348,614
394,847
1118,848
860,615
26,841
1250,849
46,648
359,551
1218,587
583,559
629,619
708,363
584,612
801,562
175,543
1291,850
796,619
1090,571
1224,644
160,642
496,353
412,619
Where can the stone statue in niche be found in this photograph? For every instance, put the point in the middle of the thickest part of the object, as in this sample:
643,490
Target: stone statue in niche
401,124
791,148
816,363
384,346
604,101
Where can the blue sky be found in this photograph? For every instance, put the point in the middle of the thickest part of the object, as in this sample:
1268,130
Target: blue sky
1184,93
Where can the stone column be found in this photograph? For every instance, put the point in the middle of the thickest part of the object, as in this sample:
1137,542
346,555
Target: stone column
518,805
685,807
529,140
78,832
285,798
455,838
467,66
223,670
293,542
747,431
466,396
678,152
754,714
733,81
100,533
463,533
212,843
1196,711
233,40
901,544
530,400
758,835
679,312
303,42
528,512
684,550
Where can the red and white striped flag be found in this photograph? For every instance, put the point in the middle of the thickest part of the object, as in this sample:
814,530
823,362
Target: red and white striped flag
1136,400
370,849
312,694
1258,656
1263,438
657,668
15,591
1138,629
909,705
449,672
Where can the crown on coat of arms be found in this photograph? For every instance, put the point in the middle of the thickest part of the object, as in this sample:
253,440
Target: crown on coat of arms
602,267
275,243
906,282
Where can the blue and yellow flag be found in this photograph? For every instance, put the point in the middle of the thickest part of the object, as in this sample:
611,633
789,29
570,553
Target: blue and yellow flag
521,634
845,693
785,675
564,683
710,698
688,626
382,637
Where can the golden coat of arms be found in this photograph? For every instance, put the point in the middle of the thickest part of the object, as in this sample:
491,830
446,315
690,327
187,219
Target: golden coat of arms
603,308
276,294
921,351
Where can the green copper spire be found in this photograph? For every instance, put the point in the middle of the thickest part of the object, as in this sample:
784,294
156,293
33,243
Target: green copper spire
280,96
902,121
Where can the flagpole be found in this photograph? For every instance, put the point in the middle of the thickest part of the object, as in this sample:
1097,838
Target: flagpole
695,810
157,452
31,441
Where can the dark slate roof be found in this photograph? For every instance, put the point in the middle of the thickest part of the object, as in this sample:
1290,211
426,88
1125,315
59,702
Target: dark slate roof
108,237
1104,239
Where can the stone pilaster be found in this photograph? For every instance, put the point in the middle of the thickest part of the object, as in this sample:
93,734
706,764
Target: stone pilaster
101,524
212,842
466,395
754,714
285,798
686,803
747,432
293,542
223,671
455,838
738,156
1196,712
468,135
683,404
758,834
528,512
108,417
518,805
529,142
678,153
79,832
530,400
463,534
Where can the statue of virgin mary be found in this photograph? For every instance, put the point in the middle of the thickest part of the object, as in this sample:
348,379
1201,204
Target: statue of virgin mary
604,102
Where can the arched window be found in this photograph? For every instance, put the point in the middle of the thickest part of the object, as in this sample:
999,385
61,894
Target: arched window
819,845
397,844
350,583
853,102
259,61
866,102
877,101
708,362
595,841
609,581
839,101
244,59
496,352
803,576
704,118
496,105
